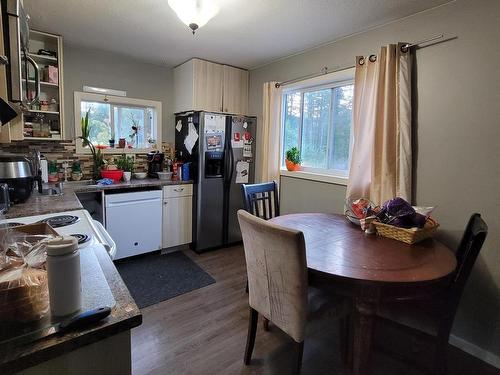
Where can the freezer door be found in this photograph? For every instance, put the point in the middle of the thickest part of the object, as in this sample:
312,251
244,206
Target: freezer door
209,192
240,127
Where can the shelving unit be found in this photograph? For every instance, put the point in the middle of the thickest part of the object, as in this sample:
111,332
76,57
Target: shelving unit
44,120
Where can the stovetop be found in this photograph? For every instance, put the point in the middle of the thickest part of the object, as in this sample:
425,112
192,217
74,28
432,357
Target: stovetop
60,220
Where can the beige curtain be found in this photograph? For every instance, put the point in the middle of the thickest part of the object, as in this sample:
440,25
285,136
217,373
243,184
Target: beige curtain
381,157
270,144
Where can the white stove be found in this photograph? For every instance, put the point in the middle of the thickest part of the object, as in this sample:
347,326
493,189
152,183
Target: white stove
77,223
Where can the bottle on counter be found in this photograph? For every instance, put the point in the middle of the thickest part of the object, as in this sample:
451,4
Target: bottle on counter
64,276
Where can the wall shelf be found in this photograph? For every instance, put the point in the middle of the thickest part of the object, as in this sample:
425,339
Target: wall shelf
46,112
43,57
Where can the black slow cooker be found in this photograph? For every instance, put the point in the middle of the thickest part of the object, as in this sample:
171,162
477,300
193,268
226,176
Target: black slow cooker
16,172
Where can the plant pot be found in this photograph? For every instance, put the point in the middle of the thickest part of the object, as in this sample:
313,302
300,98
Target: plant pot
127,176
76,176
292,166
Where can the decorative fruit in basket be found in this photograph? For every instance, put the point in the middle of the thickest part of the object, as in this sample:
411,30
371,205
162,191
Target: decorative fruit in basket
400,213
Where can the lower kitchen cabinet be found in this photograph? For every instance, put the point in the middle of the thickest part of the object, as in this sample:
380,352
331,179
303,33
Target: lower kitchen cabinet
177,215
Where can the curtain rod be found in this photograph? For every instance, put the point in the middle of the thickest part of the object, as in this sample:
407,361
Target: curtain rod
325,70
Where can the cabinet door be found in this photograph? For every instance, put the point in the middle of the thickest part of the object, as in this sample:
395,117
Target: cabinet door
235,94
177,221
207,86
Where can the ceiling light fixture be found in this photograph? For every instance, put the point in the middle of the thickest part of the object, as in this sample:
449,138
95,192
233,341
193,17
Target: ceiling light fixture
194,13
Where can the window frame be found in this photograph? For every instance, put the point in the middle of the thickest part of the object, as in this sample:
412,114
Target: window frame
327,81
118,101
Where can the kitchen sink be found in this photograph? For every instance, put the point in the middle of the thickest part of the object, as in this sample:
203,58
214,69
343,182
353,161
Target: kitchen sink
51,191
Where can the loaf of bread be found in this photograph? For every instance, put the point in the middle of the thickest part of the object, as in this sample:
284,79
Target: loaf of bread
24,295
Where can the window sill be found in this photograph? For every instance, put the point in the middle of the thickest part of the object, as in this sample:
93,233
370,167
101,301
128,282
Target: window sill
315,177
116,151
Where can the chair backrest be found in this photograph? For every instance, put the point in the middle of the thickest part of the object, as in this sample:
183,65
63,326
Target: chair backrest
261,200
467,253
277,273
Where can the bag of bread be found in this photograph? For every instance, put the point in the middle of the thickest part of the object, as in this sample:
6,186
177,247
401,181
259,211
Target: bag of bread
24,295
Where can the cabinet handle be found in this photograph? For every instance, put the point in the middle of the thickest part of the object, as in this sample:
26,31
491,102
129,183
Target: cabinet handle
165,203
179,190
225,110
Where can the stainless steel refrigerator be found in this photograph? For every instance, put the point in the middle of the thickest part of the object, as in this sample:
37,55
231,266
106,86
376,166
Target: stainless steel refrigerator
221,150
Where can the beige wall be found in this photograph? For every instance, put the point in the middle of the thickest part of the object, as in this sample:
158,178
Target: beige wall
89,67
458,131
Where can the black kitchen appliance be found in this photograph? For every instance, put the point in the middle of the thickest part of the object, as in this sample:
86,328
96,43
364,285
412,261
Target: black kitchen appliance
16,172
221,151
155,163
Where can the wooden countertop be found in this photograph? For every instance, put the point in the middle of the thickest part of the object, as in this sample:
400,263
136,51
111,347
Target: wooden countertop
124,316
45,204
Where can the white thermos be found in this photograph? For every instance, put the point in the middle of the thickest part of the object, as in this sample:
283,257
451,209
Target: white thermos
64,276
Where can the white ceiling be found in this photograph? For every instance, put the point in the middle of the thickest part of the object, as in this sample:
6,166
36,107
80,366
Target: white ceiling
245,33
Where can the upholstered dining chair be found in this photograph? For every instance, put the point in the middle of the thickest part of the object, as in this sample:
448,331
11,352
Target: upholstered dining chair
261,199
434,315
278,282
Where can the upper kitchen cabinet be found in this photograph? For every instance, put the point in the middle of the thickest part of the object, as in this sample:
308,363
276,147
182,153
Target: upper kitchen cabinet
235,92
198,86
206,86
43,118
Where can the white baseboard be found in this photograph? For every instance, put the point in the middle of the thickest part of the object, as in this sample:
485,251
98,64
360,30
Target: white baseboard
475,350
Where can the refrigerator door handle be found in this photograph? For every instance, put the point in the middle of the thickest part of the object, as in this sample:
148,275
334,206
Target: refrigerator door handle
231,165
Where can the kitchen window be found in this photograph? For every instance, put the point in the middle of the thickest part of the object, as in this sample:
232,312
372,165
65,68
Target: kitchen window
317,119
111,117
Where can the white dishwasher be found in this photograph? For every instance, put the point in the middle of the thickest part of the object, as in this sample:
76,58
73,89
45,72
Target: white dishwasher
134,221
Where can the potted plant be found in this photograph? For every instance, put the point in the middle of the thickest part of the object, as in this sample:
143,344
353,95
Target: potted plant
293,159
76,171
97,159
126,164
52,171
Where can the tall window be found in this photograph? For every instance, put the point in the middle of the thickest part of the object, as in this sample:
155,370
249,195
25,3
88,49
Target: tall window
317,120
137,121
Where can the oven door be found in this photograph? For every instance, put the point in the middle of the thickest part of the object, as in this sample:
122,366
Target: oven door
21,65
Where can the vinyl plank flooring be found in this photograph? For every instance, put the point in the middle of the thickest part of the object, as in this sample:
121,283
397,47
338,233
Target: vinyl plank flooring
204,332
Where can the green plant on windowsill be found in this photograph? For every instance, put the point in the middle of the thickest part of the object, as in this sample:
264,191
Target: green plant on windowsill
97,158
293,159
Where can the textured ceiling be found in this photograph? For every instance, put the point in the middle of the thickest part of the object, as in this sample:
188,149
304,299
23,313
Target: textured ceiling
244,33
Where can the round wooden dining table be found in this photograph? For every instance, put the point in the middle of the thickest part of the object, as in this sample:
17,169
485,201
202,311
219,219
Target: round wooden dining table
368,268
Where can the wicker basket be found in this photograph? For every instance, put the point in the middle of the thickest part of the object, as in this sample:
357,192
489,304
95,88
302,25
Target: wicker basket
409,236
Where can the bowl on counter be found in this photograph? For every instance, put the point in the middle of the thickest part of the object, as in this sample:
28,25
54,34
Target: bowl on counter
165,176
114,174
140,175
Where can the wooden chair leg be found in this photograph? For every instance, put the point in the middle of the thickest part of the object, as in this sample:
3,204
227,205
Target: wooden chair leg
299,348
265,324
441,355
344,325
252,331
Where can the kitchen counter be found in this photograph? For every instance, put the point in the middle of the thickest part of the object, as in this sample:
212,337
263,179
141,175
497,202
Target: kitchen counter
124,316
46,204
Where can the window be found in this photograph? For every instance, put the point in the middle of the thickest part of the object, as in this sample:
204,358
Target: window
318,121
111,117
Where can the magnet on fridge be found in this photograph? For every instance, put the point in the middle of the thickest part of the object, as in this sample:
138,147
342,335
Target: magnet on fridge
236,137
247,136
245,125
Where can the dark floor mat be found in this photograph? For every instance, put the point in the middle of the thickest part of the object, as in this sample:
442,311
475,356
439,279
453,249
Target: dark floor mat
155,278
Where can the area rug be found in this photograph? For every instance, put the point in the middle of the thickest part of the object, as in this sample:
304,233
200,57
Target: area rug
155,278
